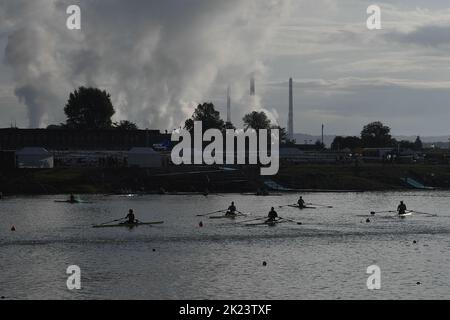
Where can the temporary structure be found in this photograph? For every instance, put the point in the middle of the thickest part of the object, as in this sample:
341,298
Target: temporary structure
34,158
144,158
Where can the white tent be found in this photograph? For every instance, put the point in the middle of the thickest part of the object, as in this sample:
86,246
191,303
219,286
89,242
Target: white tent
144,158
34,158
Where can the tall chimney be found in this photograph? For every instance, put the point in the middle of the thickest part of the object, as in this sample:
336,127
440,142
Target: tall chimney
252,85
228,105
291,112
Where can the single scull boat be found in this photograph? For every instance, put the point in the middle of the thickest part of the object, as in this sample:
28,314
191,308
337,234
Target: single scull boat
128,225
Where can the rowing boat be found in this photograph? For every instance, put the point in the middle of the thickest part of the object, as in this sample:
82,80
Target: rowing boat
129,225
267,223
300,208
227,216
406,214
72,202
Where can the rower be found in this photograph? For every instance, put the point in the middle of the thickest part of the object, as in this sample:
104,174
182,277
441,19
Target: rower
231,210
72,198
301,203
272,215
130,216
401,208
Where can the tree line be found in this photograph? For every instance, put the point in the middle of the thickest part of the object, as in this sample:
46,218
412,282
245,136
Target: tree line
374,135
91,108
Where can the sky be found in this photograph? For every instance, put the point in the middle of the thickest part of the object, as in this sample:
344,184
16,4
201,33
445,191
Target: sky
159,59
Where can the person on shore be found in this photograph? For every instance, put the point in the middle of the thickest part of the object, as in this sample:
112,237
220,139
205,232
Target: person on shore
273,215
231,210
401,209
130,217
301,203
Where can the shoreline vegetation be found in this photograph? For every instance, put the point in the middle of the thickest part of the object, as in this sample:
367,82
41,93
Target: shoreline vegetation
213,179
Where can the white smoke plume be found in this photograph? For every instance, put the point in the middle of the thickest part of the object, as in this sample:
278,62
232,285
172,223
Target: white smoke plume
158,59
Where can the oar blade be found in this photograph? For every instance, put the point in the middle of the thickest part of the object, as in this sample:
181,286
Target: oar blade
209,213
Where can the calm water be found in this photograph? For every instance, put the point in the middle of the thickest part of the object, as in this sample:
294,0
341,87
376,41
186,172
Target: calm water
326,257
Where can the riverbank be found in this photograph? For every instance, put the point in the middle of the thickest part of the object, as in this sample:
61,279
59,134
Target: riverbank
372,177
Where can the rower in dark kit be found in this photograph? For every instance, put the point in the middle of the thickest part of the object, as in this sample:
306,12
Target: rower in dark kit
301,203
273,215
130,217
231,210
401,208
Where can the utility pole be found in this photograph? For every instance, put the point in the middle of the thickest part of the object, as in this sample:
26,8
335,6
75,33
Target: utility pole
322,135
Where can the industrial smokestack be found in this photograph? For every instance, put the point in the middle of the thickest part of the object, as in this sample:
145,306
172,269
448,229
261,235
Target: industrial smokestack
291,112
252,85
228,105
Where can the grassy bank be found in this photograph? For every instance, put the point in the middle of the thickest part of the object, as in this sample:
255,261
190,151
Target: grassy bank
366,177
177,179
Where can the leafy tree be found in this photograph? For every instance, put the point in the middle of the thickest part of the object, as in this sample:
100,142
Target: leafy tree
229,125
418,145
207,114
125,125
376,135
89,108
351,143
256,120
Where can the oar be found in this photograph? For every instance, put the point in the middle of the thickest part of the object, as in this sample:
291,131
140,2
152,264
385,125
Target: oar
299,223
253,220
320,205
287,205
241,213
386,211
209,213
101,224
424,213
